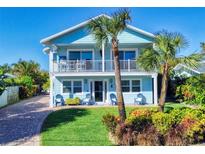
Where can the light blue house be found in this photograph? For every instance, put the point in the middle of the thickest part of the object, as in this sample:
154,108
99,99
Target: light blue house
77,67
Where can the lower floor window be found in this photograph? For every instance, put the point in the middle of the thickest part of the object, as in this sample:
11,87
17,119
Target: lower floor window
135,85
66,86
72,86
77,86
131,86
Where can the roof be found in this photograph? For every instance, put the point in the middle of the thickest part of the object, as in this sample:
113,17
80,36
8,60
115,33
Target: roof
46,40
200,69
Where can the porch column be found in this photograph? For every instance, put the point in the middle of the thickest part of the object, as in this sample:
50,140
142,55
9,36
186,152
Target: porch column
155,89
51,91
51,76
103,57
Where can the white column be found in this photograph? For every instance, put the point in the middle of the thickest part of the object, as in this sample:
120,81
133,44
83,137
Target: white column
155,89
51,76
51,91
103,57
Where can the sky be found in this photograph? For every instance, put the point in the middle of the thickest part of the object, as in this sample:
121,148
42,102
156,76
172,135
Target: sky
21,29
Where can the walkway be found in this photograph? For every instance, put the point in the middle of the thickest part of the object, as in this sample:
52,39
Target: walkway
20,123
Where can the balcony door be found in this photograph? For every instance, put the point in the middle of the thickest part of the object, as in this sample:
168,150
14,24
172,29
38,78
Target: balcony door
84,59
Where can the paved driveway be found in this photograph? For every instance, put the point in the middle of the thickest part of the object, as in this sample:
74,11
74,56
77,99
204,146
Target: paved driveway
20,123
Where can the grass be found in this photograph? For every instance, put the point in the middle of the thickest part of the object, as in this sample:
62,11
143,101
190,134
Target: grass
77,127
80,127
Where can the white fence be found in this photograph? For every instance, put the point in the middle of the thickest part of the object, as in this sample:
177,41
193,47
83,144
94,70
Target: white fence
9,96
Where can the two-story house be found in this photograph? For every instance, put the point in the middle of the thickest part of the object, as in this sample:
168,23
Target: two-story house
77,67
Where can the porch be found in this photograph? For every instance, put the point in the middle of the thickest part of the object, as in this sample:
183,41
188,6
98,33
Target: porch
95,66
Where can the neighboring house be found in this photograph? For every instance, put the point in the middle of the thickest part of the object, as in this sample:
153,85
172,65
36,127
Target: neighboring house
183,70
77,67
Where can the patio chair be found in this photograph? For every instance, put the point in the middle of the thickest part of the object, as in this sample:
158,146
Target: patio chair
59,100
87,100
113,99
140,99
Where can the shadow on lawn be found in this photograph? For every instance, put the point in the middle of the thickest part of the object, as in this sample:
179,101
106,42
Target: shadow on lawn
62,116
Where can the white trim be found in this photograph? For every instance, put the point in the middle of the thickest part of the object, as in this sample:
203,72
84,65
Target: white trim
80,74
71,80
155,101
182,65
46,40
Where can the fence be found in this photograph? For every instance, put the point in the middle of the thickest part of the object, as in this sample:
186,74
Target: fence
9,96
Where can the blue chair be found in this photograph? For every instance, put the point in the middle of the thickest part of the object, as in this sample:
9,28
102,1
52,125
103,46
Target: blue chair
59,100
140,99
113,99
87,100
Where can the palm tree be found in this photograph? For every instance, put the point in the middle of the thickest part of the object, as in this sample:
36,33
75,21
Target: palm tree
26,68
106,29
163,57
202,45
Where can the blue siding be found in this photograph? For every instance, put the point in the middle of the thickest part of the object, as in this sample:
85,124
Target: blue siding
128,97
83,36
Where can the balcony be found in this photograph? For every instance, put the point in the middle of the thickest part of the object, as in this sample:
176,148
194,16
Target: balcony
94,66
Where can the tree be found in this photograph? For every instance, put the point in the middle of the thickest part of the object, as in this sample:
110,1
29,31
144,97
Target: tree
103,28
202,45
32,69
2,82
26,68
163,57
6,68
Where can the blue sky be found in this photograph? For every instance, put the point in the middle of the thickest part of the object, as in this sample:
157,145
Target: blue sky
21,29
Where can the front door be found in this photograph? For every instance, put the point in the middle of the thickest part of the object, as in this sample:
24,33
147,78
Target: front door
98,90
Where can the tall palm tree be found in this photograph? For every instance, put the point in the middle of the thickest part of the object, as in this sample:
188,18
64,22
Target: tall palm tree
202,45
163,57
106,30
23,68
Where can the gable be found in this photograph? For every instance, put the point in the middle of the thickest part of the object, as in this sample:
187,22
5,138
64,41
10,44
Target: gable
79,34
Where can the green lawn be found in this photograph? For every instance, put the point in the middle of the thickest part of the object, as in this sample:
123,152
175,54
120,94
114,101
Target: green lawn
77,127
81,126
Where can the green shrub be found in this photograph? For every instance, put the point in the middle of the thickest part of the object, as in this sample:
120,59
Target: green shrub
72,101
162,121
150,127
192,90
46,85
110,121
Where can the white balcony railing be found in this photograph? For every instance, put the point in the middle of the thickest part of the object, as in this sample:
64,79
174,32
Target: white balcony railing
94,66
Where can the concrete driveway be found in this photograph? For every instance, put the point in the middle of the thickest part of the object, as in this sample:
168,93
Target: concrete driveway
20,123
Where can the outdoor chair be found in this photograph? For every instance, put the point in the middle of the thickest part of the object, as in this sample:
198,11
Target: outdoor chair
59,100
87,100
140,99
113,99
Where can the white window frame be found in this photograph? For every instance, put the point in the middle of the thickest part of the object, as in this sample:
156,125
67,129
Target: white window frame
72,80
130,84
81,50
139,85
126,49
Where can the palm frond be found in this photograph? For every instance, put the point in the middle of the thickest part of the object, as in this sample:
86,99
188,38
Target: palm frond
98,29
192,60
149,59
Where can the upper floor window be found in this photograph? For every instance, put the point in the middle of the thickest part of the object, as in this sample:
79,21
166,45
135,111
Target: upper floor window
80,55
126,54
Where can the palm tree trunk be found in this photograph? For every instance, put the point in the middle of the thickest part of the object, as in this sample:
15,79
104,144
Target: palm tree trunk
163,88
120,99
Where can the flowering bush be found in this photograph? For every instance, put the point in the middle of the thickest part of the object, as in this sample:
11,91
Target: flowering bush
148,127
